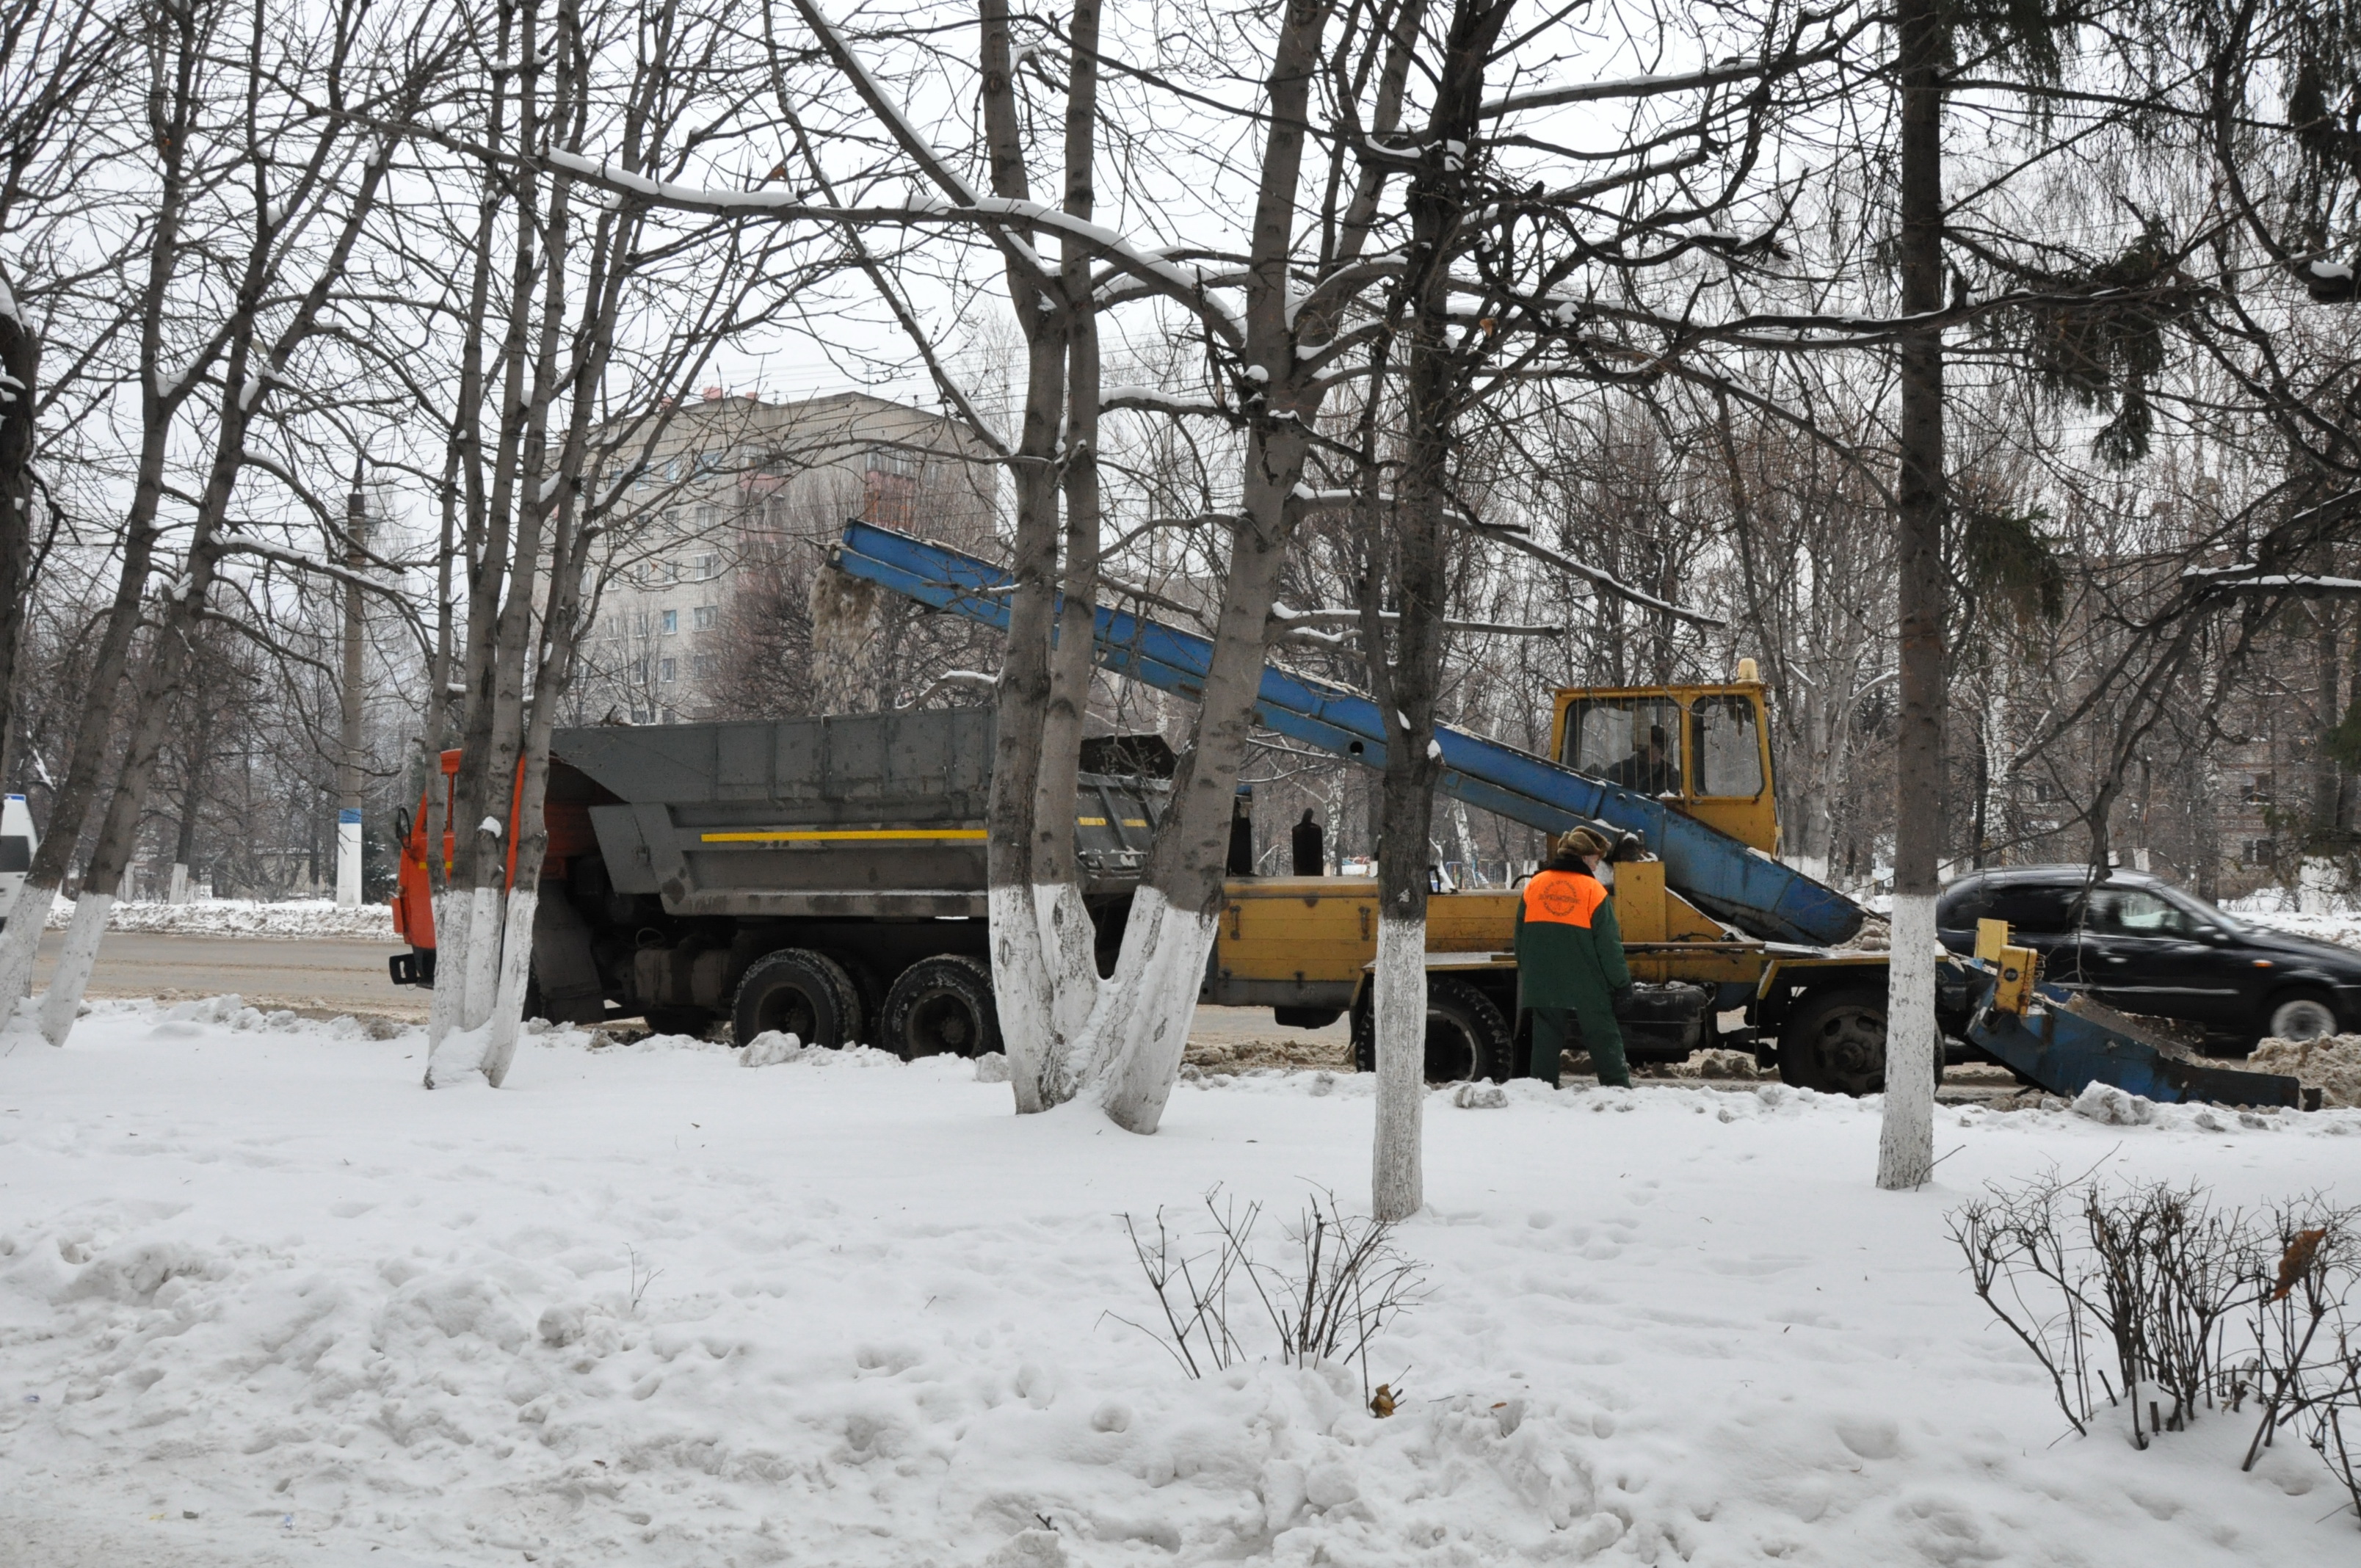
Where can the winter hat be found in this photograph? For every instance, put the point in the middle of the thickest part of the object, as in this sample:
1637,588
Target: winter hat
1581,841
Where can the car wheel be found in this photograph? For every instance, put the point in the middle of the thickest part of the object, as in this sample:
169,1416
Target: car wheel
1465,1035
799,993
2306,1016
940,1006
1834,1042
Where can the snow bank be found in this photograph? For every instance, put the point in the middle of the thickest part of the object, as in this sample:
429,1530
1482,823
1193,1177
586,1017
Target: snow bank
263,1299
244,918
2332,1065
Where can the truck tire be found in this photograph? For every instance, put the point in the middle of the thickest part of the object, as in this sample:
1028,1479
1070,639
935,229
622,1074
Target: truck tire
796,991
1465,1035
940,1006
1834,1041
866,986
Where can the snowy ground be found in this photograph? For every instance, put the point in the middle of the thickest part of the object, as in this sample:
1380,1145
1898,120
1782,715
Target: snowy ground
243,917
263,1300
2344,927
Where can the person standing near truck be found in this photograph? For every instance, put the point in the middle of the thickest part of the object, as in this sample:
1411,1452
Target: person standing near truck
1570,960
1309,848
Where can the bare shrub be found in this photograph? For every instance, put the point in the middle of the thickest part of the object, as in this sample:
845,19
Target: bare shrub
2155,1277
1344,1281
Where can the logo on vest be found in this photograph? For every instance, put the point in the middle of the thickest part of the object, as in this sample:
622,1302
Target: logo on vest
1560,898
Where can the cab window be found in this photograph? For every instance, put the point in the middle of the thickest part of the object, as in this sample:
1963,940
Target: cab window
1631,741
1728,748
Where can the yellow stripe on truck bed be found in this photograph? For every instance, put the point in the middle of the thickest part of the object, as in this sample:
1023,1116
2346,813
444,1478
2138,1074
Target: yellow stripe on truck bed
839,834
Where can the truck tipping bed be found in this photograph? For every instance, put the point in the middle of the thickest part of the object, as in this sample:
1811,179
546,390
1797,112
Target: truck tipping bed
1717,872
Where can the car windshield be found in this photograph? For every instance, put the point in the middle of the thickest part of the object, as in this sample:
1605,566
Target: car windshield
2206,911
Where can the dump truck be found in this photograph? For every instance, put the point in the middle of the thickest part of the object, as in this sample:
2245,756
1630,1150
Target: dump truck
823,877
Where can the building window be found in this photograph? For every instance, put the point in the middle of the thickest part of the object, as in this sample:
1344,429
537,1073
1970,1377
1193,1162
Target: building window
709,568
703,615
2259,851
708,514
700,666
671,670
671,621
2259,792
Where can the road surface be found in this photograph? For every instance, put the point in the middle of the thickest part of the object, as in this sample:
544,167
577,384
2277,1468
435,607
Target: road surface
309,974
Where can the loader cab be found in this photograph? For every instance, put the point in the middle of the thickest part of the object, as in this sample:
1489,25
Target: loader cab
1703,750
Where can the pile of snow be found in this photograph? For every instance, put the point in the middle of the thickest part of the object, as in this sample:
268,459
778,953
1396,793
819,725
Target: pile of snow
244,918
2331,1064
264,1301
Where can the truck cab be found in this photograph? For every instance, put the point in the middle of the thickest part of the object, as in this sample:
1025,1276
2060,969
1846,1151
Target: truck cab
1303,945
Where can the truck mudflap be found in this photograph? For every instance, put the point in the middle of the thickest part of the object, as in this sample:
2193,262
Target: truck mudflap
2071,1043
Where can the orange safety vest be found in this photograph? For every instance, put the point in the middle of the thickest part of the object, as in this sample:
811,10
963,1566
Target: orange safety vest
1562,898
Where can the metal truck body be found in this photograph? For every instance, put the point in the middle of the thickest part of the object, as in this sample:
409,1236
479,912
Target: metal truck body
682,857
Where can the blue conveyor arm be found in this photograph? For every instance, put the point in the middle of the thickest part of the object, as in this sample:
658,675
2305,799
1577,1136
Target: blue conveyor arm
1717,872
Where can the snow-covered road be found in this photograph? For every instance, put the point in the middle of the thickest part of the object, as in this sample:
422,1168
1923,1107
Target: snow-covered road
255,1276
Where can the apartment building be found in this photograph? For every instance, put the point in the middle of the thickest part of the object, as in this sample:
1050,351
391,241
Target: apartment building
733,476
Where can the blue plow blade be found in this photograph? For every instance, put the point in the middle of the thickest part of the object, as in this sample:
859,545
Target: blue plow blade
2065,1052
1722,876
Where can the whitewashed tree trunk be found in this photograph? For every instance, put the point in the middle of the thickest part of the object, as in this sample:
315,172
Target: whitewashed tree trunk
180,888
1020,988
1905,1144
449,999
1397,1179
20,943
516,975
1138,1031
480,976
71,976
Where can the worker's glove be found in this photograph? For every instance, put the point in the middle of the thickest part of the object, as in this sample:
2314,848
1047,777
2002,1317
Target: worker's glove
1621,997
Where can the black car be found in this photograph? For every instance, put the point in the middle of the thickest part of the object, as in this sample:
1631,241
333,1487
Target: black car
2144,946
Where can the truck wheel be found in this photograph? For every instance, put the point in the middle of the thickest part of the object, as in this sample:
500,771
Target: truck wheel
866,986
941,1006
1465,1035
798,993
1834,1042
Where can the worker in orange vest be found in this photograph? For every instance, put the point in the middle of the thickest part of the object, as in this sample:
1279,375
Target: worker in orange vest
1570,963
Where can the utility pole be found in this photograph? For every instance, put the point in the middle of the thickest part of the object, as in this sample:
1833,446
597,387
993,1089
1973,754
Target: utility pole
348,762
